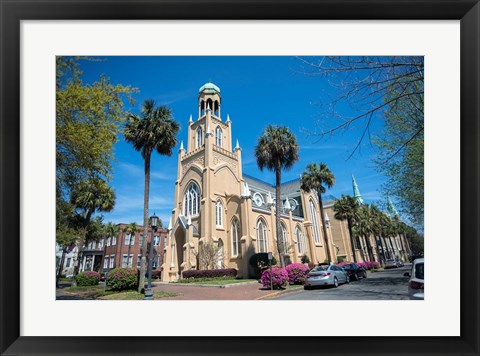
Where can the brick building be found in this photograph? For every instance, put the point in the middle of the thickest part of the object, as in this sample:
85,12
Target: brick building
122,251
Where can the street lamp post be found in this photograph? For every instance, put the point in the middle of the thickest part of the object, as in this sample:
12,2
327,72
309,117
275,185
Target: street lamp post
270,256
154,224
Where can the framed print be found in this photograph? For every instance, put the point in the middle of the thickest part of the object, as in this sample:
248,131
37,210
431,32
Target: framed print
213,238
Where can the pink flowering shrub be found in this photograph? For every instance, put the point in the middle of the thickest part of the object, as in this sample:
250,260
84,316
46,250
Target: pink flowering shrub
368,265
341,264
88,278
122,279
279,277
297,273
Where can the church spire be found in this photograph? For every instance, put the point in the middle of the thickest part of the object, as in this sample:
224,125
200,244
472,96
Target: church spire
392,211
356,191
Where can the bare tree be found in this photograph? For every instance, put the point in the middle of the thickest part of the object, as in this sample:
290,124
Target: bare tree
208,255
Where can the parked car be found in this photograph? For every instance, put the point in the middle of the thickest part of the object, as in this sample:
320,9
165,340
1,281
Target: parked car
354,271
326,275
391,263
416,283
399,262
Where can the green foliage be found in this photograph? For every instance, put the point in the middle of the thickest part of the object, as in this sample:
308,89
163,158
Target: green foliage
87,278
259,261
340,259
122,279
305,259
88,118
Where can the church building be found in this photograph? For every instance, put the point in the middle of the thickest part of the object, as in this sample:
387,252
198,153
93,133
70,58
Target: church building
216,204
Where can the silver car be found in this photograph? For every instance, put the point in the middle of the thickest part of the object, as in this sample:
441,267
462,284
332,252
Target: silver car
326,275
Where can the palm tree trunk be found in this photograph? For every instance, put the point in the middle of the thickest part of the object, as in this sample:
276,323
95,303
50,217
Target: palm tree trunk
141,284
369,248
278,210
351,240
325,237
129,249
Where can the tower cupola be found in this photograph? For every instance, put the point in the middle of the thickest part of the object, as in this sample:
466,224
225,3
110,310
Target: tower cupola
209,97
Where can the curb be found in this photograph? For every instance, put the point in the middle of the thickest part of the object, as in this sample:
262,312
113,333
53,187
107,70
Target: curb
275,294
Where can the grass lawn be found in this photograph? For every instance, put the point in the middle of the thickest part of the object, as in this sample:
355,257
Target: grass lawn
134,295
218,281
99,292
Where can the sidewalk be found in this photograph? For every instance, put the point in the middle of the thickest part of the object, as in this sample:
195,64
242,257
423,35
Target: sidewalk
250,291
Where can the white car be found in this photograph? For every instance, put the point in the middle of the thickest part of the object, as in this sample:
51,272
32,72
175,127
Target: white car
416,282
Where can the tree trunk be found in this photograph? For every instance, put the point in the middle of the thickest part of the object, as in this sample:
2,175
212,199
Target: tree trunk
62,260
320,202
351,239
278,210
141,284
369,248
129,249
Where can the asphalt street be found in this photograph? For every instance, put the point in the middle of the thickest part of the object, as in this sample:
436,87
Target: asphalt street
387,284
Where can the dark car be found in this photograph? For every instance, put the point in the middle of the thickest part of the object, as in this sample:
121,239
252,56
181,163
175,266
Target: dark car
354,271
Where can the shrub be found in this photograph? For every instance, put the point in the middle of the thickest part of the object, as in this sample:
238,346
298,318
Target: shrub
340,259
297,273
156,274
279,277
88,278
123,279
305,259
209,273
369,265
259,261
341,264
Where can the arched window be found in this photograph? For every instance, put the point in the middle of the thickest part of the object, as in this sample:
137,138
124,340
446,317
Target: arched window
218,136
262,236
283,239
219,213
298,235
220,255
313,213
234,234
191,200
199,140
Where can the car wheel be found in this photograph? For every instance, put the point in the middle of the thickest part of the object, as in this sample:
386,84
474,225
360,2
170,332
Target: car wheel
364,274
355,276
335,282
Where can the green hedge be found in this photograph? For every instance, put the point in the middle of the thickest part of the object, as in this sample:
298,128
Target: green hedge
122,279
88,278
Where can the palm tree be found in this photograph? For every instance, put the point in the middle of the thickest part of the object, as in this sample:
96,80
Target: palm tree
377,230
346,208
316,178
90,196
277,150
131,229
153,130
366,227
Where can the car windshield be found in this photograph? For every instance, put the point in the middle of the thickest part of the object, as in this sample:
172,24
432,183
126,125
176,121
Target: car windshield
348,266
419,270
319,268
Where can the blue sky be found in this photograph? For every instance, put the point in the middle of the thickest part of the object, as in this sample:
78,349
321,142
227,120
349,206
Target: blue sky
256,91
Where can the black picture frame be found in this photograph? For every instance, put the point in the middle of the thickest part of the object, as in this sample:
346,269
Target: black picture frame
12,12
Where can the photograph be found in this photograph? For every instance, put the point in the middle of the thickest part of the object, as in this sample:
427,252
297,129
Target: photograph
254,178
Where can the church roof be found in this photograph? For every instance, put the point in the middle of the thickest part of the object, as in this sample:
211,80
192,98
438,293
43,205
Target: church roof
287,188
208,85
